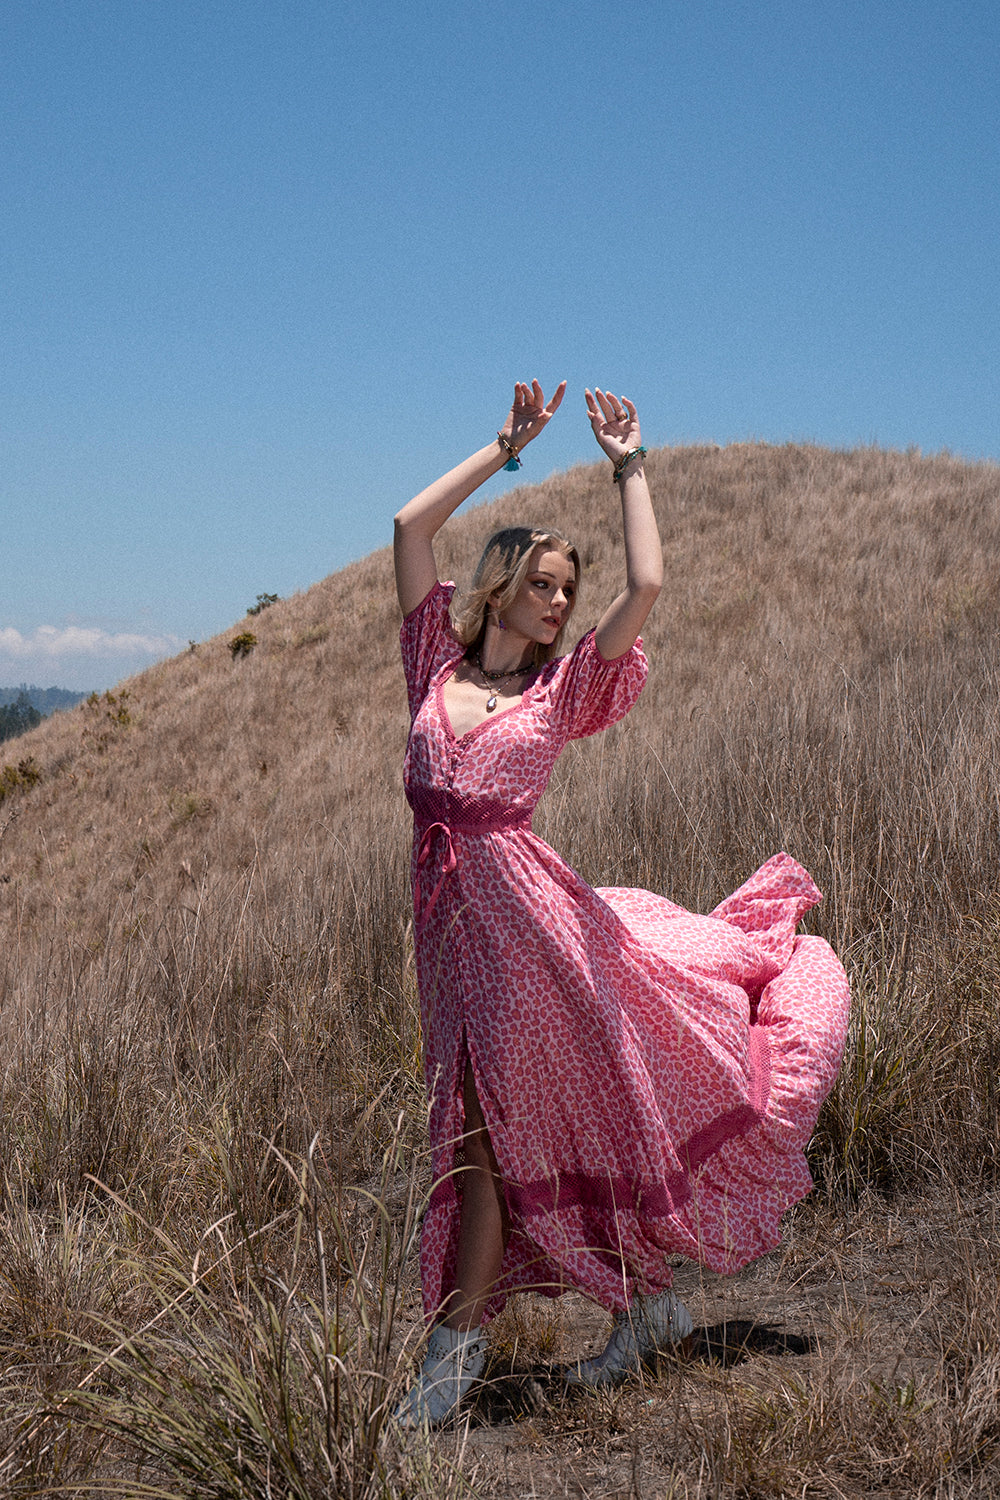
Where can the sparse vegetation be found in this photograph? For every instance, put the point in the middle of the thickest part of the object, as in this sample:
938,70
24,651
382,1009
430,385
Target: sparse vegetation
242,644
111,708
19,777
264,601
212,1159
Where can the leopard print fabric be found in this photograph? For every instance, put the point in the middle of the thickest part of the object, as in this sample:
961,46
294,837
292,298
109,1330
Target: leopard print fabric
649,1077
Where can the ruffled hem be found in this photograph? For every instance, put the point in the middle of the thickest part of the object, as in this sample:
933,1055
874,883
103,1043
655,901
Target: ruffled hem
610,1236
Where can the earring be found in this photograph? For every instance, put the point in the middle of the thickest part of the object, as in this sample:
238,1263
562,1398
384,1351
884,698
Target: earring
496,620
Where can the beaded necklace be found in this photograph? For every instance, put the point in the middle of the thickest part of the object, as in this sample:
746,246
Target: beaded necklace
491,677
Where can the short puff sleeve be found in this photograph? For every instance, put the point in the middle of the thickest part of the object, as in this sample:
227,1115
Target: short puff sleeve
586,693
426,642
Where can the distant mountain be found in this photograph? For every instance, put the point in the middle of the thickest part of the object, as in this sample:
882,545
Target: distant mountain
46,700
18,717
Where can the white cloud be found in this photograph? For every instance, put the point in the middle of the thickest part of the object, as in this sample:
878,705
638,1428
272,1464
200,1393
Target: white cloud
56,642
81,657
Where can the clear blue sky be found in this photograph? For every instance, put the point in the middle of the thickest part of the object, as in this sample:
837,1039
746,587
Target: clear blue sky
266,268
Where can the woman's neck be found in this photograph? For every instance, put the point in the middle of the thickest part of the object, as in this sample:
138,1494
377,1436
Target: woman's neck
503,651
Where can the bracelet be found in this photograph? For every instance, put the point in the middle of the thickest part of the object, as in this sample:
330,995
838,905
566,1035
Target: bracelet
513,463
620,468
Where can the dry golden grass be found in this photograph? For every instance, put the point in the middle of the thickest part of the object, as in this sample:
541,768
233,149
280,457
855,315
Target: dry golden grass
212,1158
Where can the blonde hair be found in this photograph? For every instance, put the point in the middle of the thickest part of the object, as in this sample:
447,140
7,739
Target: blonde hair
502,569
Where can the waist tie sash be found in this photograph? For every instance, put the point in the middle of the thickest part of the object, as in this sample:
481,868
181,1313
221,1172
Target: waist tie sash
438,814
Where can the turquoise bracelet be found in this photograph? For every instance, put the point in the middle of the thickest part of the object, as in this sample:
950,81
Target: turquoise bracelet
632,453
513,463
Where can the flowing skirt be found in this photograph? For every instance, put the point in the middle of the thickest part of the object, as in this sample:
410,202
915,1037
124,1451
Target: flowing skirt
650,1078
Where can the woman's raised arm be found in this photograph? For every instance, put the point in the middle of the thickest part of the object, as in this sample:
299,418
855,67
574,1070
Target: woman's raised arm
616,428
421,518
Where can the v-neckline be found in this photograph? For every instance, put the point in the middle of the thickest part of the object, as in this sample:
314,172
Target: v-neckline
446,674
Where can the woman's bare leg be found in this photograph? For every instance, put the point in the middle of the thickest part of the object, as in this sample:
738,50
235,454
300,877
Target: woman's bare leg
482,1230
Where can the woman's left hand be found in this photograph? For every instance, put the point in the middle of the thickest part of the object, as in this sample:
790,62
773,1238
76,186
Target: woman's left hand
615,423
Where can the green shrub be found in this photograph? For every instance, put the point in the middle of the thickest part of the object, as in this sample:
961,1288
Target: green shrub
110,715
264,601
115,707
19,778
243,644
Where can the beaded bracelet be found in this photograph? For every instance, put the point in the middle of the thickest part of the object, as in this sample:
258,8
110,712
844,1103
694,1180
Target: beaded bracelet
620,469
513,463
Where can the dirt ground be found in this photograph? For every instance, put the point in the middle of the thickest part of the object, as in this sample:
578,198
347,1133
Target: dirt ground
858,1360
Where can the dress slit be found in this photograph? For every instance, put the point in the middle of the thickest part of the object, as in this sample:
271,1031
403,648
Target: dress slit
648,1077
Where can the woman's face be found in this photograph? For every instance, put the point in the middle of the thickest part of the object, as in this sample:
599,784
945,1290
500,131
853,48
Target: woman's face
545,599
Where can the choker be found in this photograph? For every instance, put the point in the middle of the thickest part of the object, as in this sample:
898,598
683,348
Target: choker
491,677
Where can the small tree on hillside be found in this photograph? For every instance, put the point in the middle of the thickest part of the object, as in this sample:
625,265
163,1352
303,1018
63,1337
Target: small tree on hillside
264,601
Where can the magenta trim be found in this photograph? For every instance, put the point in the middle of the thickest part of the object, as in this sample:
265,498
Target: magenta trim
743,1117
760,1069
461,813
439,813
610,1195
712,1137
437,587
446,671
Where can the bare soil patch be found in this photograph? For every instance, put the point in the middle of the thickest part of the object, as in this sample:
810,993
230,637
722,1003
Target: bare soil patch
845,1364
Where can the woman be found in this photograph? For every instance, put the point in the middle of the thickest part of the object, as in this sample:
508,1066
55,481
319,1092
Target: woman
612,1080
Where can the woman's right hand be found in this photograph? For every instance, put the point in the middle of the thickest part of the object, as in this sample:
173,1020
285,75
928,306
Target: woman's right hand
529,413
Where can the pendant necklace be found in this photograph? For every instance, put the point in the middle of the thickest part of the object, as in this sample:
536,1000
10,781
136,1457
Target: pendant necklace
490,677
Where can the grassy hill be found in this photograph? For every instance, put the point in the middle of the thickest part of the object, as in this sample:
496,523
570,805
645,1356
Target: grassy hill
206,989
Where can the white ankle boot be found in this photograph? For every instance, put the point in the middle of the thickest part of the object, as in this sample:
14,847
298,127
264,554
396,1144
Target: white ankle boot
650,1325
454,1361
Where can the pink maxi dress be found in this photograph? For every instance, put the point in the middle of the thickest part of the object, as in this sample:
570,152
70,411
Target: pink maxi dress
649,1077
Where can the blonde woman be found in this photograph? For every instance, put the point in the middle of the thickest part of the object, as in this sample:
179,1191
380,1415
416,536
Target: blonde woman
612,1080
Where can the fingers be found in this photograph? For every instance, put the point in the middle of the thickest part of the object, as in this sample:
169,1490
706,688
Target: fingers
602,406
557,398
616,409
529,401
606,405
